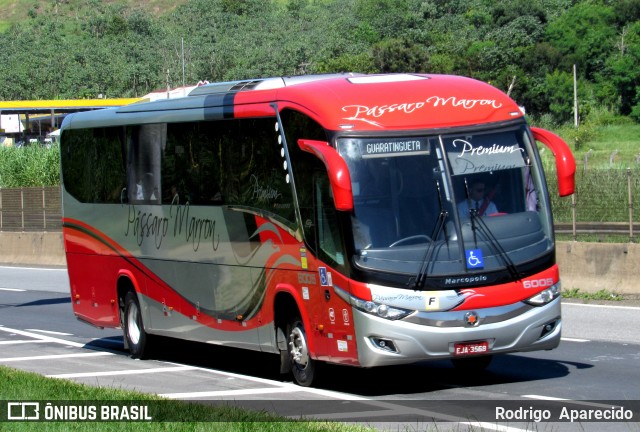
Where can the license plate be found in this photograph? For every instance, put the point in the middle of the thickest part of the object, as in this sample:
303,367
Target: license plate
471,348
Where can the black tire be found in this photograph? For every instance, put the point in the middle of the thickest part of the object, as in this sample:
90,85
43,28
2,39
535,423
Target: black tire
136,338
303,367
472,364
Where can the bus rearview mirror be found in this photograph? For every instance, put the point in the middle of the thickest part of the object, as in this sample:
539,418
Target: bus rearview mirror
565,162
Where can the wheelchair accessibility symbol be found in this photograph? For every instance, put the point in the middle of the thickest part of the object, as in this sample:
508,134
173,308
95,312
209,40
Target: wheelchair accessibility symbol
474,258
325,276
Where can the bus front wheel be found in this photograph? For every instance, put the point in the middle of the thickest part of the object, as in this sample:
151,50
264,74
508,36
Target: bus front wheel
135,336
303,366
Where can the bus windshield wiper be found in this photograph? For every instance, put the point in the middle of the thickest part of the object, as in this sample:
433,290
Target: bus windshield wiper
418,281
480,225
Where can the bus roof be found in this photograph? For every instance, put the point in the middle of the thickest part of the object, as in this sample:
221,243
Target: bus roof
402,101
348,102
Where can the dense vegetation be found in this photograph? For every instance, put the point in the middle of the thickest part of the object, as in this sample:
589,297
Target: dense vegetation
118,48
29,166
83,48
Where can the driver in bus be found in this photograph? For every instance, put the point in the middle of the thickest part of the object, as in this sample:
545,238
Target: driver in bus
477,200
361,234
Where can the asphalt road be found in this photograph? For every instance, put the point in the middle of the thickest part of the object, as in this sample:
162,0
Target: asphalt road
598,361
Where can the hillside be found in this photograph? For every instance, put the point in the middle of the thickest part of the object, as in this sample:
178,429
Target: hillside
14,11
119,48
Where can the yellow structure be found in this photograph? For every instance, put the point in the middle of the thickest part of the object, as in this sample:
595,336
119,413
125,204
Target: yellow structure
63,105
48,114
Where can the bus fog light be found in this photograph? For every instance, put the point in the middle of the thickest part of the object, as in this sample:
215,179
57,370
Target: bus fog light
548,328
384,344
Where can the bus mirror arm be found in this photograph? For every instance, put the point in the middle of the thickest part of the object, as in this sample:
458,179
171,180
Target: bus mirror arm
565,163
337,170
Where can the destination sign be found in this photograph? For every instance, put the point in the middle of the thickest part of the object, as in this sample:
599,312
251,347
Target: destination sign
467,158
372,148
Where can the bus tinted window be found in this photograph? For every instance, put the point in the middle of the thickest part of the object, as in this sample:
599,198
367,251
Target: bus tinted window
94,165
145,145
231,162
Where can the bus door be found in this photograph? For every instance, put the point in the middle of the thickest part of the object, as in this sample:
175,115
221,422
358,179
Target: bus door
334,316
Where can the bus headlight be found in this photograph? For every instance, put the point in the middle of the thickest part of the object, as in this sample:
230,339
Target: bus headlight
544,297
373,308
377,309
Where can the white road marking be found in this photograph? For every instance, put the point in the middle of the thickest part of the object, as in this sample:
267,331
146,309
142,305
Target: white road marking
600,306
41,337
21,341
384,408
123,372
55,356
391,409
227,393
574,340
277,384
50,332
548,398
571,401
495,427
33,268
12,289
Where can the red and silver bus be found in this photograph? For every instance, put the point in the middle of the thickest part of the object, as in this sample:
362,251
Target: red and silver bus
319,218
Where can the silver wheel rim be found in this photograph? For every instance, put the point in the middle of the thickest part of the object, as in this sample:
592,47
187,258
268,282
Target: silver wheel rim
133,329
298,345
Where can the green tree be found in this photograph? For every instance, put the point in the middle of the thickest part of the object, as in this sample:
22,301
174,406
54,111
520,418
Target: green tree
396,55
620,78
584,36
559,87
382,19
82,49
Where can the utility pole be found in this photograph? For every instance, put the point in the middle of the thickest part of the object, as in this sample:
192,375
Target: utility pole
575,96
183,84
168,86
513,83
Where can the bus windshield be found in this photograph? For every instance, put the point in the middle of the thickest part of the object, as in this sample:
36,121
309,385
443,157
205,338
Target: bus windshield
451,204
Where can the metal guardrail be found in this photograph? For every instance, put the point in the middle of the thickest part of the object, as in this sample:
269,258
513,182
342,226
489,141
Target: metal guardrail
30,209
598,228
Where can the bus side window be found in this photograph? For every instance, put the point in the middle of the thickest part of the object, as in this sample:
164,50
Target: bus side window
329,239
306,169
93,164
146,143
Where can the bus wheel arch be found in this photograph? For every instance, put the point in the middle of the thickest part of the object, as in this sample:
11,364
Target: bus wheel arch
292,340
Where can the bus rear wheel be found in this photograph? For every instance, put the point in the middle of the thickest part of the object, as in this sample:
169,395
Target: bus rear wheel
135,336
303,366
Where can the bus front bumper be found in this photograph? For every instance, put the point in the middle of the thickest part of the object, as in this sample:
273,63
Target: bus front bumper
426,336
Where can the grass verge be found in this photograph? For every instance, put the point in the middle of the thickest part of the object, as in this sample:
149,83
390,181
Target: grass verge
598,238
168,415
574,293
